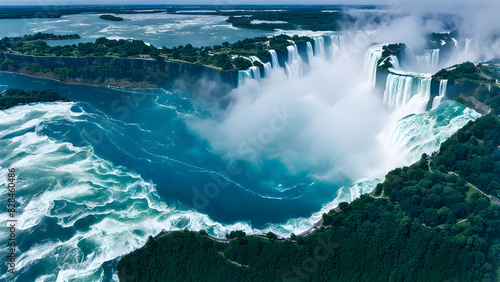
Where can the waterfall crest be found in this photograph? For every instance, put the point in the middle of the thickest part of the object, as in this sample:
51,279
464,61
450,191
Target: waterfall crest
372,56
319,47
412,90
274,59
426,62
316,51
294,62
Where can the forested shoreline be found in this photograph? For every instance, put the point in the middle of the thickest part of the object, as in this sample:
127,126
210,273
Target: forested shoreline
12,97
420,224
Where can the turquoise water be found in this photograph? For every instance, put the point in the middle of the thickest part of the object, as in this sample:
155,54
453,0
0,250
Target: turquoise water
98,175
158,29
95,180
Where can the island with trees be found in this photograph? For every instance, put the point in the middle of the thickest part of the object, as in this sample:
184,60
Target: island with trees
54,11
111,18
326,18
314,18
12,97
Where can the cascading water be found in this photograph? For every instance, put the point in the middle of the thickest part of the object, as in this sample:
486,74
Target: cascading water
427,62
274,59
435,58
442,92
336,40
316,52
294,62
468,42
267,66
412,90
319,47
336,43
92,223
395,62
372,56
250,73
310,52
424,132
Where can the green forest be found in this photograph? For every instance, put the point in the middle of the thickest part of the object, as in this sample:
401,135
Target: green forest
421,225
12,97
308,19
94,74
479,81
313,18
226,56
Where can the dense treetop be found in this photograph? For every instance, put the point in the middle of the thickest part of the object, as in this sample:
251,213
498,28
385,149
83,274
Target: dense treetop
12,97
226,56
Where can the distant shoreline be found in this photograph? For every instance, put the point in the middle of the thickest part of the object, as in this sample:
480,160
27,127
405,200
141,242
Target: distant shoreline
76,82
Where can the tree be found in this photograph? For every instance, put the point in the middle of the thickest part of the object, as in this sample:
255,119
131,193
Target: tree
343,206
236,234
271,236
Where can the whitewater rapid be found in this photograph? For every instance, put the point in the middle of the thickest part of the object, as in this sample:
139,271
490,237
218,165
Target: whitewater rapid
80,212
62,186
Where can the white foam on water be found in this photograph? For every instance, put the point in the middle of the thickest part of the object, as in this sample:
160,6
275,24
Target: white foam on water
67,184
416,134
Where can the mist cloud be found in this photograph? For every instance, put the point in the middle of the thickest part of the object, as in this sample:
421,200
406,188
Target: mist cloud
332,133
337,116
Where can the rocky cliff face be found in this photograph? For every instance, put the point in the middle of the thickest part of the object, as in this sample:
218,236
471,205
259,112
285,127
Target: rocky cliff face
186,75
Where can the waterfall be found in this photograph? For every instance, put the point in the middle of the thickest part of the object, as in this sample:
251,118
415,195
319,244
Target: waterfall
467,45
442,92
250,73
255,58
336,40
427,62
435,58
310,53
319,47
274,59
372,56
394,61
412,90
267,66
293,65
294,62
336,43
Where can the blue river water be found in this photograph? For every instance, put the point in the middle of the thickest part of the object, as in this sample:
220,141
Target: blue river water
98,175
160,29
